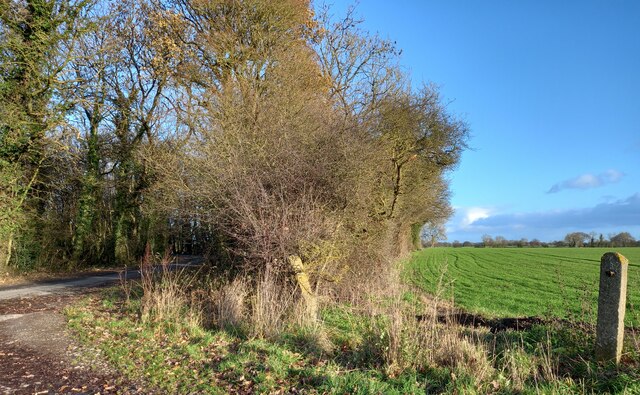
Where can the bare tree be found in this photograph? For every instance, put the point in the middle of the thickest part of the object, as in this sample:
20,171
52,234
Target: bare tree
362,68
623,239
487,241
576,239
433,232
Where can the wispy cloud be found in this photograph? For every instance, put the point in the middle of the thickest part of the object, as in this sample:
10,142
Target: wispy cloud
615,215
588,181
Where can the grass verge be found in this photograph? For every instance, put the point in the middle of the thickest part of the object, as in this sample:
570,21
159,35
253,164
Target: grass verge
373,349
186,333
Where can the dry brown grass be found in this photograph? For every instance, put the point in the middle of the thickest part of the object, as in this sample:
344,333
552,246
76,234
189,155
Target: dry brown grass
263,308
230,302
436,340
273,302
415,345
168,295
396,340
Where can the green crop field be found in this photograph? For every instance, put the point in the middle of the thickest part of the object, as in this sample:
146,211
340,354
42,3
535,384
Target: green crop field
516,282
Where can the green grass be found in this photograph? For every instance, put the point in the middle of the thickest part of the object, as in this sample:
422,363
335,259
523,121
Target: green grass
347,352
173,357
515,282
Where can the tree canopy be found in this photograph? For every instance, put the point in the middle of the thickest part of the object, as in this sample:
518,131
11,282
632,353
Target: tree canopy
250,131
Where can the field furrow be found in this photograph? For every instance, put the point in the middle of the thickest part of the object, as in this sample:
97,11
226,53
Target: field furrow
513,282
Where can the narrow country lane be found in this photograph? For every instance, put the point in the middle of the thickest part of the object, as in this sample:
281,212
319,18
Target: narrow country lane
72,284
38,353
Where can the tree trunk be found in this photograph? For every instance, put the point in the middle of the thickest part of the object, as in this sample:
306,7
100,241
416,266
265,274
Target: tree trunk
9,250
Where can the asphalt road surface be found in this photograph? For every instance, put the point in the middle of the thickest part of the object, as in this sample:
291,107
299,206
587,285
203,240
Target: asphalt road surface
63,285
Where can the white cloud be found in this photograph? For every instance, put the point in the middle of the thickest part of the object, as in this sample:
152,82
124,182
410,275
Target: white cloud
472,214
588,181
464,218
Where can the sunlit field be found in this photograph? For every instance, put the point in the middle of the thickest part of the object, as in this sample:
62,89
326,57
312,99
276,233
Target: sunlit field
515,282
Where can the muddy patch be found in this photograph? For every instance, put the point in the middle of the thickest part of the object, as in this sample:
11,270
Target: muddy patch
494,325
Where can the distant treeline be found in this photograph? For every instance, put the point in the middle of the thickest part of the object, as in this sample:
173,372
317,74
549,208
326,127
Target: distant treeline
574,239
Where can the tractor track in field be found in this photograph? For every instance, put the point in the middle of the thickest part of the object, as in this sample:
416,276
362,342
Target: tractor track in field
449,315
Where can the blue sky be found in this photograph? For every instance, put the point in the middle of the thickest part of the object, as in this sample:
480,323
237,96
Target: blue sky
551,91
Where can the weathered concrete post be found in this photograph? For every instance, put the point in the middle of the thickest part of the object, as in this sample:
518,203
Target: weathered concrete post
611,307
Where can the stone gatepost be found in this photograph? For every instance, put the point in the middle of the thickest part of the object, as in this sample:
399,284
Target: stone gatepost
611,307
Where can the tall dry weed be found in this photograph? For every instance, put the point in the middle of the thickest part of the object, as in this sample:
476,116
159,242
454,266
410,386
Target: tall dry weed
272,302
547,361
230,303
634,332
166,292
418,335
